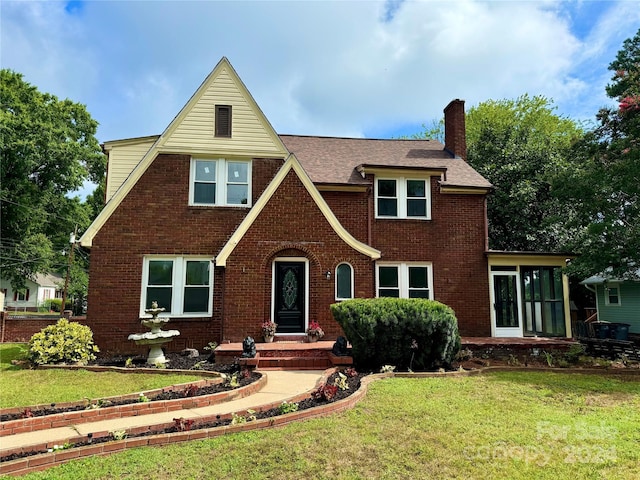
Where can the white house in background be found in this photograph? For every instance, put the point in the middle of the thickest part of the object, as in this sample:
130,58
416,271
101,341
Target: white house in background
42,288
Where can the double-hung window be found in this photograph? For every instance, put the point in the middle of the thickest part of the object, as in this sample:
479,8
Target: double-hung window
181,285
612,294
404,280
403,198
220,182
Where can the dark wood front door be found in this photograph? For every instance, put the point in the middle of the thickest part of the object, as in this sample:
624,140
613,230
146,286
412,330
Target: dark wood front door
289,297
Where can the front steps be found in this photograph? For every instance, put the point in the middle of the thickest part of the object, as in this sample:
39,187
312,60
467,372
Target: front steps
285,353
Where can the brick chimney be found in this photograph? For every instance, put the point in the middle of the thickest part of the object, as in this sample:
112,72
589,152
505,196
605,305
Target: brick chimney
455,140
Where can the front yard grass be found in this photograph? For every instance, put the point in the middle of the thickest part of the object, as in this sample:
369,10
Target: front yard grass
20,386
501,425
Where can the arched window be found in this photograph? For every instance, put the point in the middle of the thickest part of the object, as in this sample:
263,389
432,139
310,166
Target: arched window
344,282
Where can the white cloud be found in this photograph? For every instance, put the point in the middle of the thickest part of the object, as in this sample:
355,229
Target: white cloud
48,47
330,68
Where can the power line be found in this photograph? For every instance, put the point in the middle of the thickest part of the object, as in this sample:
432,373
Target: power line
38,210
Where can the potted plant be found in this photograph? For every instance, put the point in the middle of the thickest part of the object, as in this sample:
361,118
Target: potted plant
314,332
269,330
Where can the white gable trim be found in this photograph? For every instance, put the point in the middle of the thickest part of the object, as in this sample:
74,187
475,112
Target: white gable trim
158,147
292,163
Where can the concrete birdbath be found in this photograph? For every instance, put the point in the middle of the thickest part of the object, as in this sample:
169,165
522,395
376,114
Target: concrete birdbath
157,337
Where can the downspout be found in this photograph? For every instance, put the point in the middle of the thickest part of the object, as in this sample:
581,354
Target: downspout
222,297
369,210
595,291
486,226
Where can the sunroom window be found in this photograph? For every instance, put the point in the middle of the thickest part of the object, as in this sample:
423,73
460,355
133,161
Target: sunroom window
220,182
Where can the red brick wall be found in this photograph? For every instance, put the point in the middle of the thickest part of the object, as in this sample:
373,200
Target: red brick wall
351,208
155,219
453,241
290,225
17,329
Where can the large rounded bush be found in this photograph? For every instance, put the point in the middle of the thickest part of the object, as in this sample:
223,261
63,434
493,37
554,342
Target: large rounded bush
64,342
407,333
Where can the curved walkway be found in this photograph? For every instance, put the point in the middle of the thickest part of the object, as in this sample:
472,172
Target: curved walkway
281,386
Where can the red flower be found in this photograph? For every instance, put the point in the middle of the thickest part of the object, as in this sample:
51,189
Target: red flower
630,102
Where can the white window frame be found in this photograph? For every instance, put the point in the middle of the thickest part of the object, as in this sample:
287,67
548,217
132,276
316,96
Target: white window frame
401,197
221,182
178,284
403,276
338,298
607,298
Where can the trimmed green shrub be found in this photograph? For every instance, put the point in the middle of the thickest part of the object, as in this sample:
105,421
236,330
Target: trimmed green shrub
64,342
412,334
54,304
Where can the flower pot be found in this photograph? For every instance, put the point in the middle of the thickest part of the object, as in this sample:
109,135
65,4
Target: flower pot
312,338
268,338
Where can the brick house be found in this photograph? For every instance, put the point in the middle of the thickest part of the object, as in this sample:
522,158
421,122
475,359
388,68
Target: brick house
226,224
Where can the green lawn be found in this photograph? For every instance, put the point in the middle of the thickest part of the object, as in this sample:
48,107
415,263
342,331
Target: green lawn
20,386
496,426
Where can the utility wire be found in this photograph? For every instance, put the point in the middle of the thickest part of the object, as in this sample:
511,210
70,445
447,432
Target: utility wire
39,211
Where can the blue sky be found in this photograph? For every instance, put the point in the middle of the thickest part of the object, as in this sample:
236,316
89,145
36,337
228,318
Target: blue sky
344,68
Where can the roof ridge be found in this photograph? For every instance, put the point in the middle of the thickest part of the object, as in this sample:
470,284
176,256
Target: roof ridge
333,137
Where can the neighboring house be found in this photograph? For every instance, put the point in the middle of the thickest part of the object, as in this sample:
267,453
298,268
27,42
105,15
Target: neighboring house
225,223
617,300
43,287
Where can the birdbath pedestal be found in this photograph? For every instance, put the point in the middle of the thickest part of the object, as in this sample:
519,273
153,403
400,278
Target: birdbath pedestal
155,338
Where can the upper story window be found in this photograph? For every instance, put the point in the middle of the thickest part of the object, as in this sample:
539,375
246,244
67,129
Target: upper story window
344,282
403,198
220,182
404,280
181,285
223,121
612,294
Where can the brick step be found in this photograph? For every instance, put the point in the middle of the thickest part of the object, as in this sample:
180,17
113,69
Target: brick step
284,355
294,363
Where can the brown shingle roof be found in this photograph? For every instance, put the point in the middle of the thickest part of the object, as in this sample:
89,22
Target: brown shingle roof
334,160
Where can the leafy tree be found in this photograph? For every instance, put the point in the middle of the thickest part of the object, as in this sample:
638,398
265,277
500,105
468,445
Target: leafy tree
604,184
48,149
433,131
518,145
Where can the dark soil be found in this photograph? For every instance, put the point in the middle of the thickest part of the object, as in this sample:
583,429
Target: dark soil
316,399
176,361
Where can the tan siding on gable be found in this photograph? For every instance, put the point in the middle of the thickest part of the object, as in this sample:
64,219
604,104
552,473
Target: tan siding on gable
122,160
249,135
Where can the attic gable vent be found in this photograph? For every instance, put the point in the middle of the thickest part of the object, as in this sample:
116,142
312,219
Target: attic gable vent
223,121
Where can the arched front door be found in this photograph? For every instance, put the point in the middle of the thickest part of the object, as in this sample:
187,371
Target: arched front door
290,295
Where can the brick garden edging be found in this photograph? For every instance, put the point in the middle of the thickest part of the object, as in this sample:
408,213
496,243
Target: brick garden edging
37,423
47,460
43,461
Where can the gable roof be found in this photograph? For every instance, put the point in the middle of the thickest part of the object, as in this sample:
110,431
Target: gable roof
631,276
48,279
335,160
222,85
292,164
